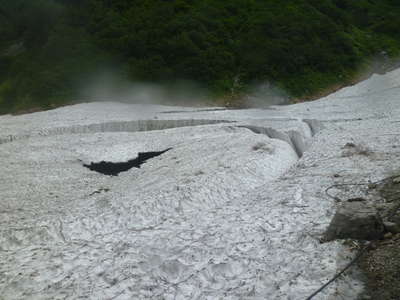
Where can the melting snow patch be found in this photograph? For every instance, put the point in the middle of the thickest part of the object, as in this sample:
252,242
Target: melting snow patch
231,215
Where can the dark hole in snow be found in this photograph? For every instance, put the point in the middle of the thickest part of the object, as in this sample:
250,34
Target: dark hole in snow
114,168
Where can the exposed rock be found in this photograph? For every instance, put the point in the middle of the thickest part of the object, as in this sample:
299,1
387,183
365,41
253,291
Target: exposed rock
350,145
395,219
357,199
388,235
392,227
355,220
383,206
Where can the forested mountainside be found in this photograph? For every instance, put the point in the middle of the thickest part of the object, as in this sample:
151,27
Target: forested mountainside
48,48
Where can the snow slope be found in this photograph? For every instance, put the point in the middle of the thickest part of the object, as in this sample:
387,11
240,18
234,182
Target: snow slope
234,211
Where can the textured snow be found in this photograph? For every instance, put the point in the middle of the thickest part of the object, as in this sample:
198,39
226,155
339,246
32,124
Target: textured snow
234,211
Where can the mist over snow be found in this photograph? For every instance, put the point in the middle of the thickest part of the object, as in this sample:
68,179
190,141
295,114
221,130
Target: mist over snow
266,94
111,86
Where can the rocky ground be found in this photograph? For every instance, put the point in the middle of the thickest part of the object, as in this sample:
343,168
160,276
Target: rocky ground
236,209
381,263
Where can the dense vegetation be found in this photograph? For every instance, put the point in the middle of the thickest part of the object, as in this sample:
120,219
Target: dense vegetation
47,47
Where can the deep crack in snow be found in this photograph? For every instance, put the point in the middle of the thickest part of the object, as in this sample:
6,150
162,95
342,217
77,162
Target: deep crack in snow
114,168
114,126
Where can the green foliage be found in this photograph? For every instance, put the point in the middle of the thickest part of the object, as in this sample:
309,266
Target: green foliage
5,94
302,46
44,53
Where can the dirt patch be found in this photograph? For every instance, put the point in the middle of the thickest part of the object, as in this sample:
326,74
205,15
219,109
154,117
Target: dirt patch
381,264
382,269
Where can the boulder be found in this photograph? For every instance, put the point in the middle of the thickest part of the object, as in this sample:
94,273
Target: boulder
355,220
392,227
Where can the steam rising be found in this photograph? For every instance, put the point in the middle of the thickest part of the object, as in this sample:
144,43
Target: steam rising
111,87
108,86
266,94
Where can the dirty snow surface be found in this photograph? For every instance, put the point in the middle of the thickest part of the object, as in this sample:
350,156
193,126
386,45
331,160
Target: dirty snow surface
234,210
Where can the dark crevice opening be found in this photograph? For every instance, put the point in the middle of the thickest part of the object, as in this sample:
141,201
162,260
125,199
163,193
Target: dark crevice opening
293,138
114,168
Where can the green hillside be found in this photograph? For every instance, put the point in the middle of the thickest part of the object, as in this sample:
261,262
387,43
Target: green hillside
48,47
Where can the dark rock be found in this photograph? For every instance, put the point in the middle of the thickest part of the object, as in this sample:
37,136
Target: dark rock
395,219
355,220
383,206
392,227
356,199
350,145
388,236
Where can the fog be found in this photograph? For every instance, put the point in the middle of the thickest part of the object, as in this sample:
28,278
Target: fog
111,86
266,94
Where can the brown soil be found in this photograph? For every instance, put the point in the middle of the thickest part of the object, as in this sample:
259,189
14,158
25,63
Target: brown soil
381,264
382,269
